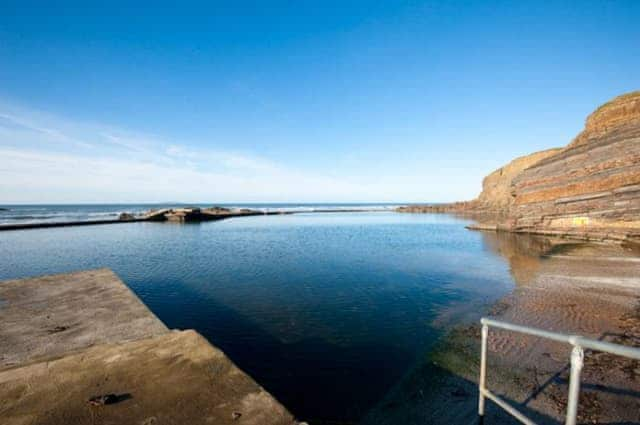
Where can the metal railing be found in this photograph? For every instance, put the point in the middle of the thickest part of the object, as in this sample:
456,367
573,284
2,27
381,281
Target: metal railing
579,343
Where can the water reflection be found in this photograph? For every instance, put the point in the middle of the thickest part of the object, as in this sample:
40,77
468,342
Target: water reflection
522,252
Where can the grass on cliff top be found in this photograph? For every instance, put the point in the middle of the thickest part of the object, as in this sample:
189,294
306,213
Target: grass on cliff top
625,96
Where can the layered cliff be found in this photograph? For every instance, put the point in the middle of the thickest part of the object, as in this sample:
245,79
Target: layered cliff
496,195
589,189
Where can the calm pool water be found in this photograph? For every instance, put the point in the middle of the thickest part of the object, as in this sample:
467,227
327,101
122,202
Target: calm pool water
327,311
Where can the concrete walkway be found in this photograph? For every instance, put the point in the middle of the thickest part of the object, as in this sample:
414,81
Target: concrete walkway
67,338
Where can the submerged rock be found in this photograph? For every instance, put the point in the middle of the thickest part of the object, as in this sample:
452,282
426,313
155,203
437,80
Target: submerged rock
126,216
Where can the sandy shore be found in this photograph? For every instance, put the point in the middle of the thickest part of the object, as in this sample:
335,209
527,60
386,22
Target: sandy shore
575,288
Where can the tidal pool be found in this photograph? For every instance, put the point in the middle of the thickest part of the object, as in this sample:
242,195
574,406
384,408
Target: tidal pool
326,310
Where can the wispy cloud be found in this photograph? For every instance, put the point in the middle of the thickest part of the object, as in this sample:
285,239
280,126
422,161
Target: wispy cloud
20,126
48,159
29,176
45,158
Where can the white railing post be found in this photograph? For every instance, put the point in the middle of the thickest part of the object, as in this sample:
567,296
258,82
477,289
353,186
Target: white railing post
577,360
483,370
579,344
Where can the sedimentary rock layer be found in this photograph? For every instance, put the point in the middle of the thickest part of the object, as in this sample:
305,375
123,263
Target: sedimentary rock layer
589,189
496,197
591,186
496,192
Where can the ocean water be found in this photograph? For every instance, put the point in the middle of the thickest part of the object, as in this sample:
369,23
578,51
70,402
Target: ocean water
326,311
16,214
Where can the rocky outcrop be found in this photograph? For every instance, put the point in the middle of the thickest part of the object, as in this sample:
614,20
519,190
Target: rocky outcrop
621,111
196,214
589,189
496,197
592,187
496,192
455,207
125,216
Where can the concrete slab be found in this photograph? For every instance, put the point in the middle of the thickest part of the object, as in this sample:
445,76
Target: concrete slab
176,378
50,316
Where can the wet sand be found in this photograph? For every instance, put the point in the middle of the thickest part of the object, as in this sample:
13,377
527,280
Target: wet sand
575,288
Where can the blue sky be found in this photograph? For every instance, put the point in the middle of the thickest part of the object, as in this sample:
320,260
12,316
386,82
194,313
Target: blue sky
296,101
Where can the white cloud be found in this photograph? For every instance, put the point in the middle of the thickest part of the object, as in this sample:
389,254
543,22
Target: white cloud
30,176
25,127
50,160
45,159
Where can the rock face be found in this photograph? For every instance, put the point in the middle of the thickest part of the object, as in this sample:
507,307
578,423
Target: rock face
126,216
496,192
496,197
621,111
591,187
455,207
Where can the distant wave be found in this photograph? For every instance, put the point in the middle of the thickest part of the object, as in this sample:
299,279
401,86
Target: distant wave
11,217
61,213
312,208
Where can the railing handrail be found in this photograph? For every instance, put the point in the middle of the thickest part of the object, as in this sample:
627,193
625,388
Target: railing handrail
592,344
578,342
